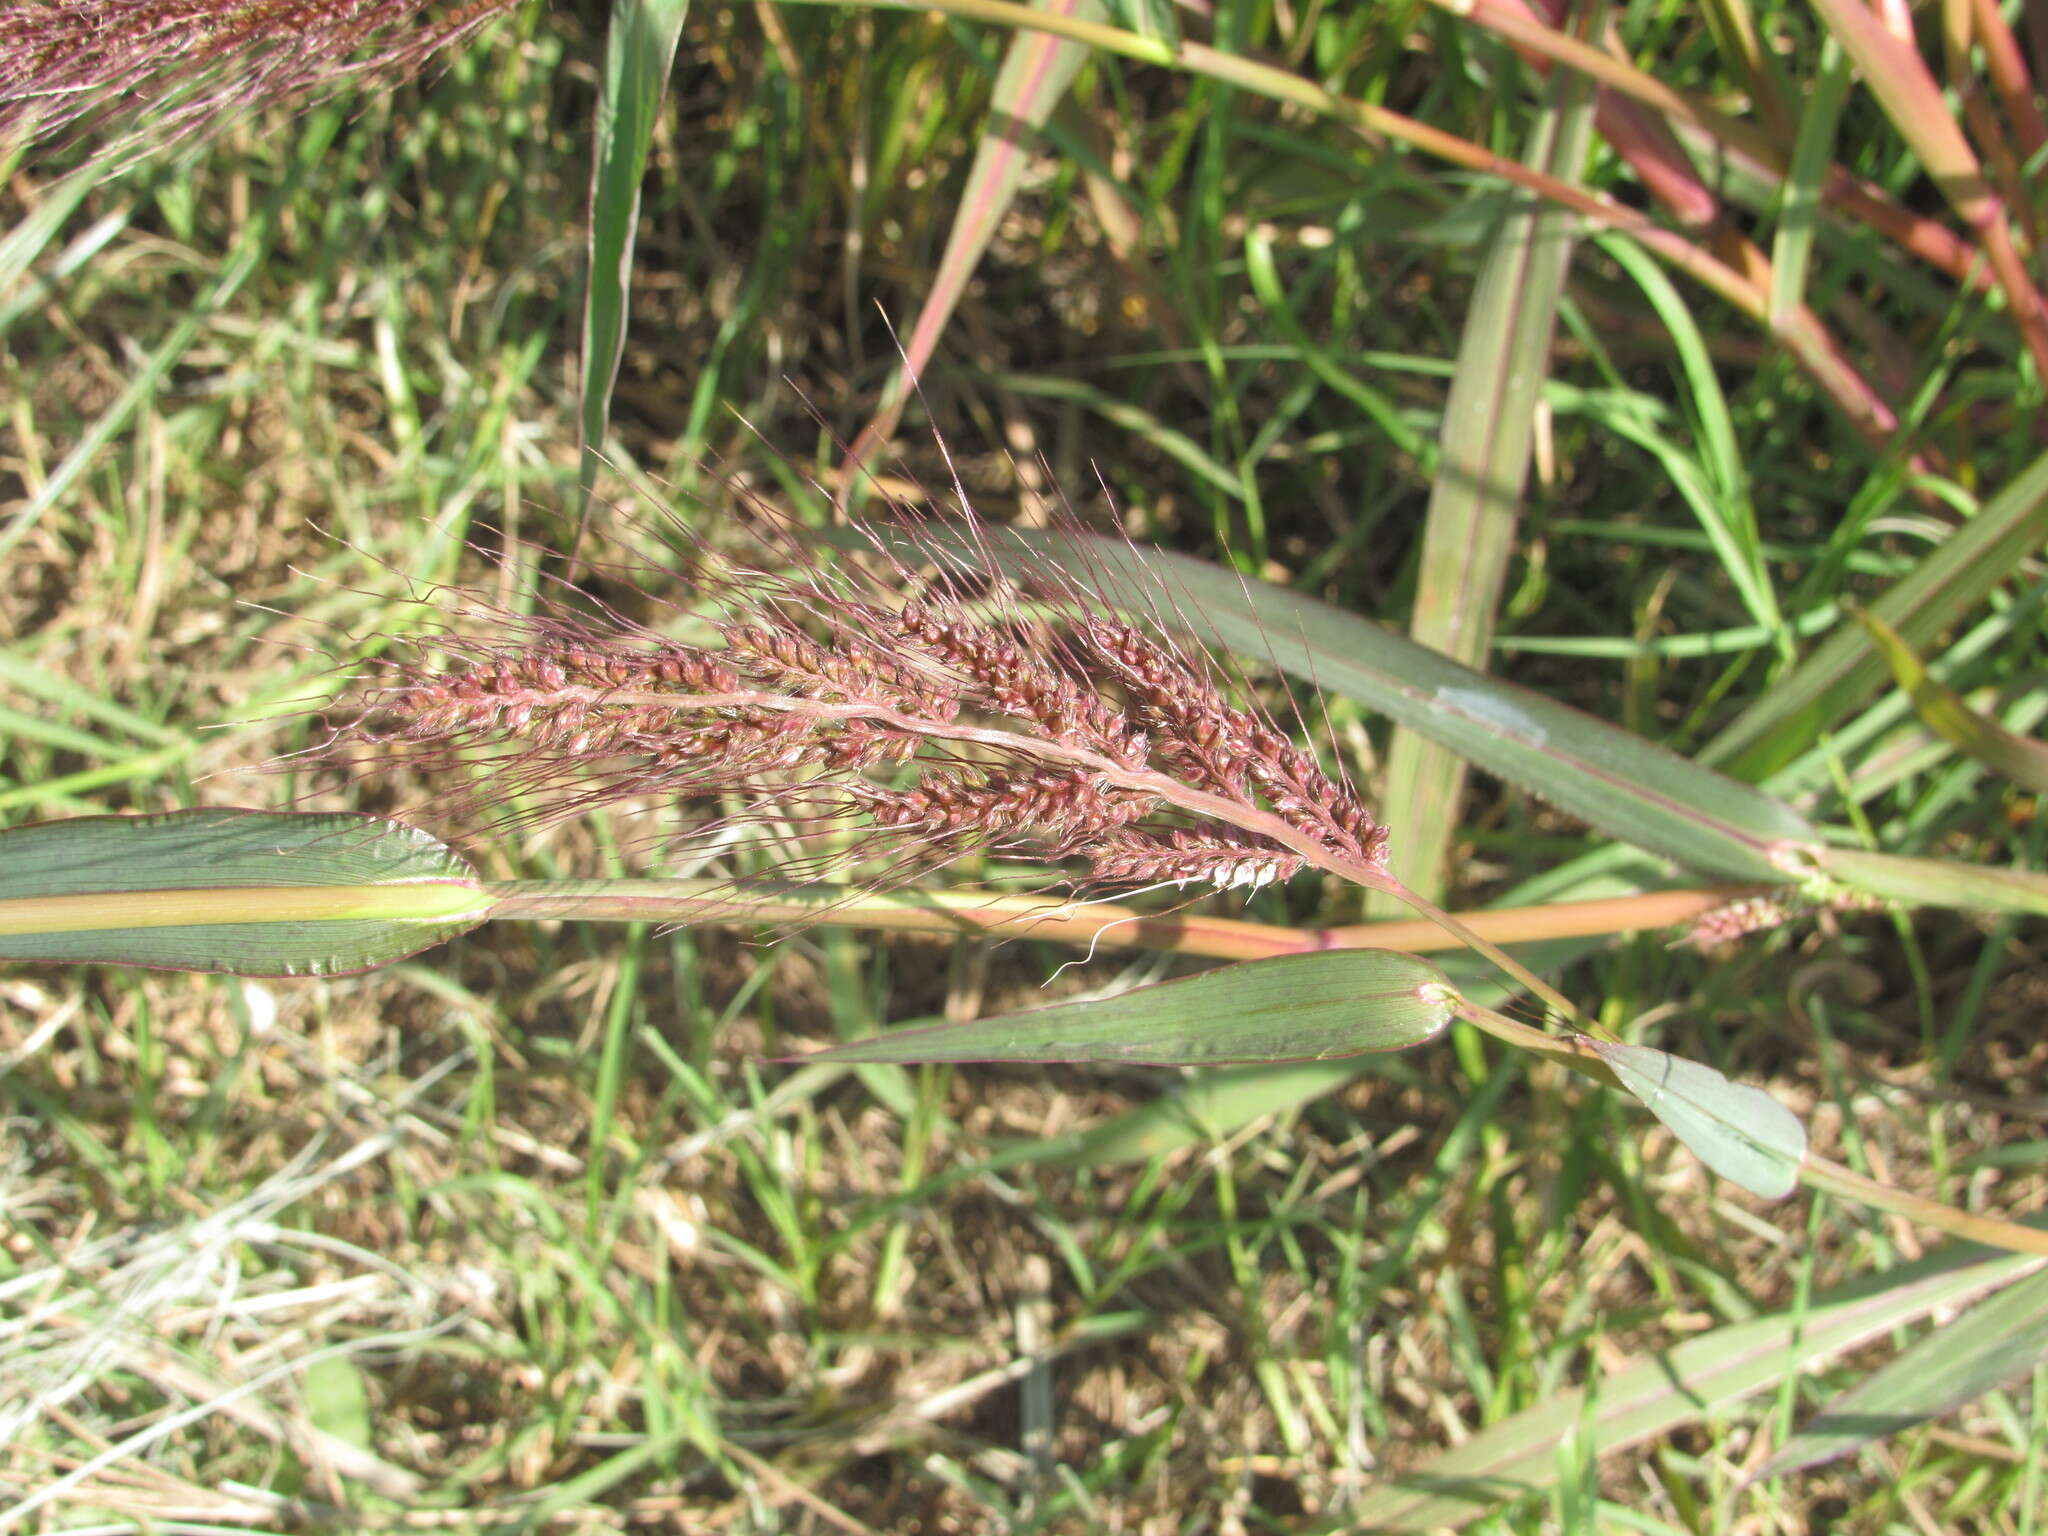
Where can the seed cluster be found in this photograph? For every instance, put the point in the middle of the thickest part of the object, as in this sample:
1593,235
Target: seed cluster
942,731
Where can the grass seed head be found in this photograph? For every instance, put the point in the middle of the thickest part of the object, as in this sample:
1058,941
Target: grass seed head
919,705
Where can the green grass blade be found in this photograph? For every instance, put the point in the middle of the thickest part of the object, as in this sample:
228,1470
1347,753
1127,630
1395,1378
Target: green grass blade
1295,1008
1134,419
1945,713
1489,426
245,260
1682,1385
1715,483
1947,584
1993,1344
1937,882
247,893
1800,200
1742,1133
1628,788
640,46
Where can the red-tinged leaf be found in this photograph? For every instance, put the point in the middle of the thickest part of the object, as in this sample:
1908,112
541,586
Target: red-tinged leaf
1913,99
1036,73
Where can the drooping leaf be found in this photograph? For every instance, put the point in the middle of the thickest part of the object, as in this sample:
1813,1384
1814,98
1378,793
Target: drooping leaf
1994,1343
1945,713
249,893
1682,1385
1740,1132
1294,1008
639,48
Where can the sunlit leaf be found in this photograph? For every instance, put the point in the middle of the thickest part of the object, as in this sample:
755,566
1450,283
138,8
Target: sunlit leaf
1295,1008
1943,712
1742,1133
1994,1343
640,45
1488,428
251,893
1628,788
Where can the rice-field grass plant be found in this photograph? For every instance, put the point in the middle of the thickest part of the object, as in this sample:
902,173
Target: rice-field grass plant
1365,1300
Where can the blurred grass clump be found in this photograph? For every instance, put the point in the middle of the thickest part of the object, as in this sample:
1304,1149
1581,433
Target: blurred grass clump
521,1234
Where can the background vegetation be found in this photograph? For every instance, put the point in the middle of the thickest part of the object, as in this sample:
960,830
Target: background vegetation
524,1233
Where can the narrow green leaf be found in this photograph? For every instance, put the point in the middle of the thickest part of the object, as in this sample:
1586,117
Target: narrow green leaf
1295,1008
1682,1385
1937,882
1943,712
1947,584
1628,788
1489,426
1799,201
639,48
1994,1343
1134,419
1336,369
1742,1133
1713,480
250,893
1214,1102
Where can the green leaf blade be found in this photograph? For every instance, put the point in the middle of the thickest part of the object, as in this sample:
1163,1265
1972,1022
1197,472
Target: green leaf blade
1680,1385
1945,713
237,892
1631,789
640,47
1993,1344
1315,1007
1742,1133
1489,428
1944,586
